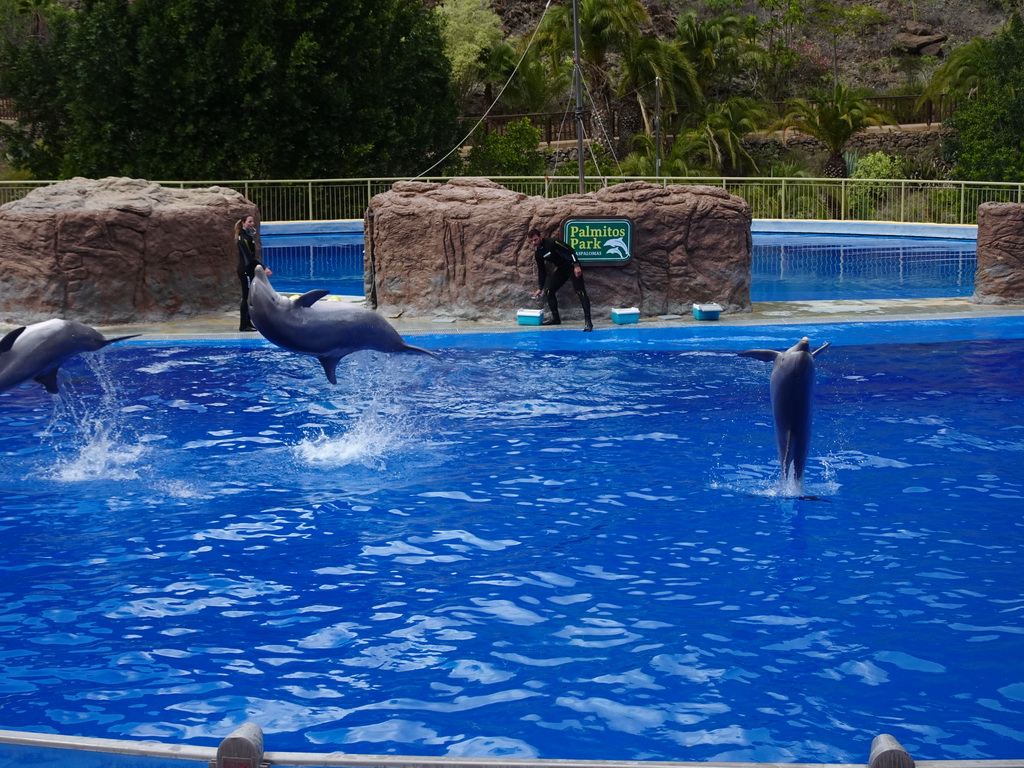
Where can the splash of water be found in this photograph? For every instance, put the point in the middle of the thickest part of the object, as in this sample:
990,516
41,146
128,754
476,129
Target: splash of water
96,442
103,456
368,442
758,480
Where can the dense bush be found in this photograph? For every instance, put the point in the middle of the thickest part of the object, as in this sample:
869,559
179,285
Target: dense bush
202,89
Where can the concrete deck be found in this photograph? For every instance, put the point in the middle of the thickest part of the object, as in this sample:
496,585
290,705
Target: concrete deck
225,325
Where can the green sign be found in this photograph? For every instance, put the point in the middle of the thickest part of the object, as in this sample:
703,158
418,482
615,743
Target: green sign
600,241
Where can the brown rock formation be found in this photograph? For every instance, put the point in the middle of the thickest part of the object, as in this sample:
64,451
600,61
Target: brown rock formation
999,278
459,249
118,250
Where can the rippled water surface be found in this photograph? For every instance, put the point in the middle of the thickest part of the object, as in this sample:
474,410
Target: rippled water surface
518,552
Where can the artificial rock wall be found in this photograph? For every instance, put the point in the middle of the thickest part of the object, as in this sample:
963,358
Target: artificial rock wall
118,250
999,278
460,250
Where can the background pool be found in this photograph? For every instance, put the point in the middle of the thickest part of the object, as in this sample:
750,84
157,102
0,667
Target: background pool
550,551
796,267
785,267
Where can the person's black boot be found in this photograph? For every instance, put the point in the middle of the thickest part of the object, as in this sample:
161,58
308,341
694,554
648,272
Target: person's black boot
244,323
587,324
554,319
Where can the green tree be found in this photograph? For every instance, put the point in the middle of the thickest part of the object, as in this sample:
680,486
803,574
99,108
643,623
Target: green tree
531,81
512,153
36,11
646,63
678,161
842,22
719,49
989,144
718,139
606,26
778,33
833,118
470,29
964,72
194,89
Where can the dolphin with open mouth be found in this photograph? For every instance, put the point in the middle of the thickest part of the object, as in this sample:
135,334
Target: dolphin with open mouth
327,330
37,351
792,392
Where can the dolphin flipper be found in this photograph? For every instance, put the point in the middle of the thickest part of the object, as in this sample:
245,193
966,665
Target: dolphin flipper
49,380
8,341
767,355
309,298
330,365
819,349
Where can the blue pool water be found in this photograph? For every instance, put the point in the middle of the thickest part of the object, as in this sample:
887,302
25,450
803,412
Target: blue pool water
795,267
560,545
785,267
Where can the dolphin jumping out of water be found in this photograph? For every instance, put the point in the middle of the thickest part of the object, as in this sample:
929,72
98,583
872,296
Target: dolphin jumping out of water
792,390
37,351
326,330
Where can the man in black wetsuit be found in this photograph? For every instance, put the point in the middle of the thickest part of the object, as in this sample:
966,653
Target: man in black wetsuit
564,266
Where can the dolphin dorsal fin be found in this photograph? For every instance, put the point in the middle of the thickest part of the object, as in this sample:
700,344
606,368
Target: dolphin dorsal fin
819,349
8,341
767,355
309,298
49,380
330,364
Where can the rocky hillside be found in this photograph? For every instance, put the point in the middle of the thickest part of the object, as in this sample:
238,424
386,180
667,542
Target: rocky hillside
893,55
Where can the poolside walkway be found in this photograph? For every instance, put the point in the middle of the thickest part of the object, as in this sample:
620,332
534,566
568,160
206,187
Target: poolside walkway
225,325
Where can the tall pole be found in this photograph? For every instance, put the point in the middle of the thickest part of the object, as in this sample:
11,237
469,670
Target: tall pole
657,128
578,85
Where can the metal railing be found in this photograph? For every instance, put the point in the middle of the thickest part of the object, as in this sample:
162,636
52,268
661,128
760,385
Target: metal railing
911,201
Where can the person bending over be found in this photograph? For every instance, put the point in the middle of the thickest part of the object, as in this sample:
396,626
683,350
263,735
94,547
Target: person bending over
556,263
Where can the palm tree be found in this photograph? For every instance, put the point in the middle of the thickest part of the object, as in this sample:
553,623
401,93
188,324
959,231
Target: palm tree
644,62
967,70
537,85
712,144
678,162
36,11
719,135
716,48
833,118
606,27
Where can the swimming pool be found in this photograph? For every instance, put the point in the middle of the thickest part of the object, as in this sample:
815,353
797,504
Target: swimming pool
545,544
784,267
807,267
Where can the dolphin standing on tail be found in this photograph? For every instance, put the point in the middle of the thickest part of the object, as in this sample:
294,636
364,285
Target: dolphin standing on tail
37,351
792,390
326,330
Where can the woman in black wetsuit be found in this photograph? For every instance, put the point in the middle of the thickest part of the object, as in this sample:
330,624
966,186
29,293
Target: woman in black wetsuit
245,238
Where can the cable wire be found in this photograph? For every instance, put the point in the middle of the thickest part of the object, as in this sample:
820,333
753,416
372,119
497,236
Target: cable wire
483,117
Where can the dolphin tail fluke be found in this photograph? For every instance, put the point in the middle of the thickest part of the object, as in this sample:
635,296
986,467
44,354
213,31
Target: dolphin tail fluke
49,380
330,365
